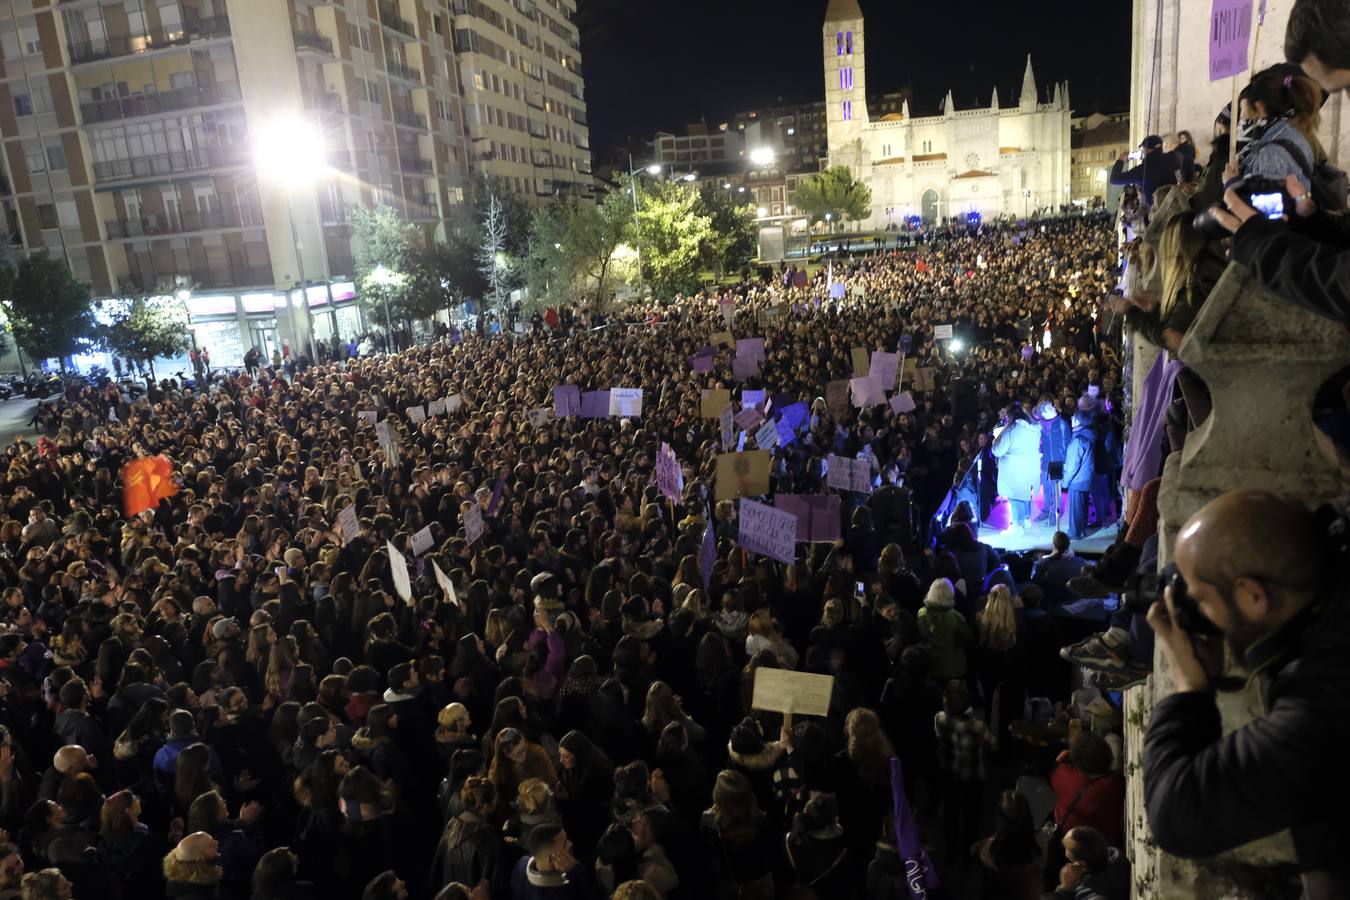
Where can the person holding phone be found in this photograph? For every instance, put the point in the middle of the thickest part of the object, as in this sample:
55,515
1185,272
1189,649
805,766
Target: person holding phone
1151,170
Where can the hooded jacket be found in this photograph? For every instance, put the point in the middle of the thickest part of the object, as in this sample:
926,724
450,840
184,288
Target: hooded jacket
948,632
1079,469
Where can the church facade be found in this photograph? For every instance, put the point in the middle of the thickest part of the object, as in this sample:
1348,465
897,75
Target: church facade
992,161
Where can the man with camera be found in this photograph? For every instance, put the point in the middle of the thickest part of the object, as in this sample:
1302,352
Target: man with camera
1259,570
1155,168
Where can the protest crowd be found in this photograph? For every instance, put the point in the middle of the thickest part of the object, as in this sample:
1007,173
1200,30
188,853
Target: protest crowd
687,601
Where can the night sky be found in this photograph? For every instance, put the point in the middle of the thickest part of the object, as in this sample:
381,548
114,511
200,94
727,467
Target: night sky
656,65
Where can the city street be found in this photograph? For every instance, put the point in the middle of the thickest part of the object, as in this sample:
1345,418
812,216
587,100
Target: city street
14,416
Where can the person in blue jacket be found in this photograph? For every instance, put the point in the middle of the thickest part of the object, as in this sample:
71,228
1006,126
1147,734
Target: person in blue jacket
1079,472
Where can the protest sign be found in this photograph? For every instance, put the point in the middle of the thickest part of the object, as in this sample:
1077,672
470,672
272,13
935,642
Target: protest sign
702,364
416,414
862,363
817,515
924,379
885,369
767,436
497,490
846,474
625,402
905,344
796,693
942,332
566,400
751,398
743,474
767,531
436,407
422,541
799,278
388,442
348,524
748,419
836,397
473,522
743,367
902,402
798,415
669,478
724,425
721,339
866,392
751,346
711,402
837,291
453,403
398,571
366,417
785,433
595,405
539,417
770,315
446,584
1230,30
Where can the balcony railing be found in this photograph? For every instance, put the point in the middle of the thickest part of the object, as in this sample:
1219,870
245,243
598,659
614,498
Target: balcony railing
170,163
312,40
390,18
110,110
410,163
150,226
409,118
399,70
159,39
423,211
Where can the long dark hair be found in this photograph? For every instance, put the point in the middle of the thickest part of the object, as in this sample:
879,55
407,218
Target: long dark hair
1014,843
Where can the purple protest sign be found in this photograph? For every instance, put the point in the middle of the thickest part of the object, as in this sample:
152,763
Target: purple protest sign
906,342
701,364
566,400
817,515
751,346
785,433
767,531
919,872
884,369
866,392
747,419
496,495
669,478
1230,29
797,415
836,291
595,405
750,399
743,367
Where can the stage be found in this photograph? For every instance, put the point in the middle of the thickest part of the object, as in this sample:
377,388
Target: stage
1037,537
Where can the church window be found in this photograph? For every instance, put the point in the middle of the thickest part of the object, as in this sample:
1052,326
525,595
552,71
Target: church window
839,43
848,43
848,110
846,78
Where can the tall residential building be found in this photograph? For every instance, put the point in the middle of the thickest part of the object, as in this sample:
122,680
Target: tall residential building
524,101
130,127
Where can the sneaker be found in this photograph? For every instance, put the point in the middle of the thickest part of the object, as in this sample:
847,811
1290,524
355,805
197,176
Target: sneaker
1094,653
1127,677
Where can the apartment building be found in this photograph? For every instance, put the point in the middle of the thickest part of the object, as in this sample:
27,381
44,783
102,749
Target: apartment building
126,127
524,103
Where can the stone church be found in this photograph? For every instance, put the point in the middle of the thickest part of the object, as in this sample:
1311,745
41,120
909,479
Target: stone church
992,161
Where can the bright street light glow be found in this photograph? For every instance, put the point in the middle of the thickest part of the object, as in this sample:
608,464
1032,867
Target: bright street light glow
690,177
289,151
762,211
727,185
654,169
184,295
740,190
761,156
829,216
957,345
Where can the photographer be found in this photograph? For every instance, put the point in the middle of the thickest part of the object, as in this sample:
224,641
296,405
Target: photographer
1256,566
1155,169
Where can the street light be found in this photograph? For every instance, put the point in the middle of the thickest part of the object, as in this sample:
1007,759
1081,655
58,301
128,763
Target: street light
762,156
654,169
762,211
289,152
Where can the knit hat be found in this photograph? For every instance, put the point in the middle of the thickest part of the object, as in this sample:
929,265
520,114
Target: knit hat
746,738
452,714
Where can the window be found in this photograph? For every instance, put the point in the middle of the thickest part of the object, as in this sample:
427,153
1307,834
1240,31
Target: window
848,43
839,43
41,98
47,215
56,158
37,161
848,110
478,80
23,105
438,24
353,35
846,78
365,39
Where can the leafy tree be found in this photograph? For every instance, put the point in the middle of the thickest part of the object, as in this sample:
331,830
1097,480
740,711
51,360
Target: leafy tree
388,247
146,329
597,234
672,229
549,271
834,191
49,310
733,238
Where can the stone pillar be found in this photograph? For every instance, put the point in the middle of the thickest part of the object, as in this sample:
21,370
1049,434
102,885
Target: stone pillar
1263,360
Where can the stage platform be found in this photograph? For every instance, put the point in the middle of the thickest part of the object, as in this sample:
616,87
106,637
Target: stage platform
995,533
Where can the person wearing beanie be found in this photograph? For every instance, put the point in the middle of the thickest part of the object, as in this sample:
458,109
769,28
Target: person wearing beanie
755,758
943,626
191,869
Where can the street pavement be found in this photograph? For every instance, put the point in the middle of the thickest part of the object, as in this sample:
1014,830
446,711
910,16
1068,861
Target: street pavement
14,416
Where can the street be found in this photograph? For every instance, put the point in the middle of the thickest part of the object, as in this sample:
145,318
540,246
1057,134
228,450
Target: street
14,416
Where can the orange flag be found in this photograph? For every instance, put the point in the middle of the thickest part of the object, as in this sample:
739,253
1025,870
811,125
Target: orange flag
145,482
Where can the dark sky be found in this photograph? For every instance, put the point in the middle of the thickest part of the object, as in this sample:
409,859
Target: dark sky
655,65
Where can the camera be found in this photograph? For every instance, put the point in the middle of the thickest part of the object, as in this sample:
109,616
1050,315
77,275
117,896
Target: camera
1265,195
1143,589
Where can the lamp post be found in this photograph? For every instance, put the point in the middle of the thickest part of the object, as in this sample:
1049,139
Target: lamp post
637,231
289,152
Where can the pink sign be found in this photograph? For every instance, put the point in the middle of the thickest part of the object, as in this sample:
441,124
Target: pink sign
817,515
669,478
1230,29
767,531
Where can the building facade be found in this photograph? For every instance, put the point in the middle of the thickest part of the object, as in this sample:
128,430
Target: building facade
127,128
1097,142
524,103
991,161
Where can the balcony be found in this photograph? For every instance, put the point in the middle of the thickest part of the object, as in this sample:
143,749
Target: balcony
171,163
147,42
151,226
412,163
312,40
422,211
153,104
390,18
400,70
410,119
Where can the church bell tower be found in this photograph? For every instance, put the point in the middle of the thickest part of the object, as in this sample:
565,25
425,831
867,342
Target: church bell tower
845,83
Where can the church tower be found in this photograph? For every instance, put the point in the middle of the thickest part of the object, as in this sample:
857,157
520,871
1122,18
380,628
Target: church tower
845,84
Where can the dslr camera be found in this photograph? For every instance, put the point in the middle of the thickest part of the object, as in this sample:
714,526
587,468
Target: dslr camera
1267,196
1143,589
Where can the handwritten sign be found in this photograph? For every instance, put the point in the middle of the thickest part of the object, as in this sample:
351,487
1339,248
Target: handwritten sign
422,541
797,415
436,407
1230,28
924,379
846,474
398,571
348,524
366,417
539,417
669,478
743,474
902,402
625,402
751,398
836,397
866,392
885,369
942,332
711,402
446,584
566,400
453,403
767,531
817,515
862,363
786,691
750,418
767,436
721,339
416,414
388,442
473,522
724,425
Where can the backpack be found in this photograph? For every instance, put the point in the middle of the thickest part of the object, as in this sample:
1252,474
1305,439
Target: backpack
1330,185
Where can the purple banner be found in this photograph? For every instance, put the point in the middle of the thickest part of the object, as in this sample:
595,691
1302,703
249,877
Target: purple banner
566,400
701,364
1230,29
751,398
836,291
595,405
767,531
751,346
920,875
817,515
797,415
707,554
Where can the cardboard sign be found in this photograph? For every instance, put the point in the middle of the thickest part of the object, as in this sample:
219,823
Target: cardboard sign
942,332
885,369
751,398
724,425
743,367
436,407
768,316
453,403
767,436
924,379
669,478
446,584
625,402
786,691
422,541
566,400
751,346
797,415
366,417
473,522
817,515
785,433
743,474
721,339
862,363
836,397
748,419
846,474
348,524
902,402
767,531
416,414
1230,29
539,417
398,571
712,401
595,405
388,442
866,392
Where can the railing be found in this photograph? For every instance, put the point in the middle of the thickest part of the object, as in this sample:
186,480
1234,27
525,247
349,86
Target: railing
96,111
312,40
390,18
423,211
149,226
410,163
159,39
399,70
332,212
410,118
170,163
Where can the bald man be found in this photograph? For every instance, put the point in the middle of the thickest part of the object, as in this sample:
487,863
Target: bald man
1254,564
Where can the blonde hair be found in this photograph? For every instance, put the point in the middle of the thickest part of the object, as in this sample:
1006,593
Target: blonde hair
996,622
832,614
1179,251
532,796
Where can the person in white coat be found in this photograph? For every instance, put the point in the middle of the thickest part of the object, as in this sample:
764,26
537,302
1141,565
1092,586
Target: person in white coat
1017,446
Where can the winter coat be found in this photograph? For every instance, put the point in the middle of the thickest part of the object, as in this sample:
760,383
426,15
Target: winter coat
191,880
1305,262
1018,449
949,634
1079,468
1111,882
1102,804
528,883
1154,170
470,851
1055,435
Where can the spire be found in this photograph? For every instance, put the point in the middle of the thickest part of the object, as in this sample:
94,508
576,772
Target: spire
1066,96
842,11
1058,94
1028,97
994,104
904,108
948,105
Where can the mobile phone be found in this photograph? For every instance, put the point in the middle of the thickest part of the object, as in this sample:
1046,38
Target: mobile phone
860,588
1136,155
1269,205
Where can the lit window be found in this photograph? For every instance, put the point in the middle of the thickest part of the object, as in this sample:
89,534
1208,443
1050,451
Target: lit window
846,78
848,43
848,110
839,41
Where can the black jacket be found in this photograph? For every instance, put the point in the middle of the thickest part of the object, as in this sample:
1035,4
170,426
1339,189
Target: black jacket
1154,170
470,851
1206,793
1306,262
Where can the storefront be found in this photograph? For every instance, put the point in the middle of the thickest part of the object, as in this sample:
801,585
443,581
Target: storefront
227,325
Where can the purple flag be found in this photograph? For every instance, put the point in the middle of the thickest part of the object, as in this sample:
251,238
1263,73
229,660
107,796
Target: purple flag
707,555
919,872
496,495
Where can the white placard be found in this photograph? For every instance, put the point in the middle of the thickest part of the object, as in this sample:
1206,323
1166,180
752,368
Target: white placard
942,332
785,691
348,524
398,569
453,403
366,417
473,522
436,407
539,417
446,584
422,541
767,436
416,414
625,402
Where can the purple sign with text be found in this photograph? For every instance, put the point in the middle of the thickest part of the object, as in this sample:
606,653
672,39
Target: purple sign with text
1230,29
595,405
566,400
767,531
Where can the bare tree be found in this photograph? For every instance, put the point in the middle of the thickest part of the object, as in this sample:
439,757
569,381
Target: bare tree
492,259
